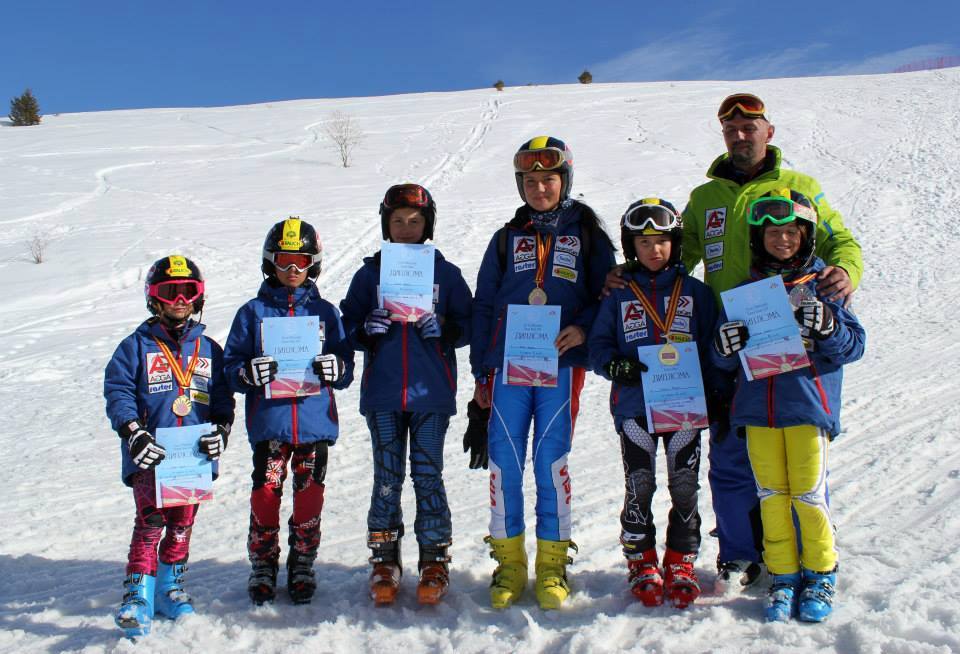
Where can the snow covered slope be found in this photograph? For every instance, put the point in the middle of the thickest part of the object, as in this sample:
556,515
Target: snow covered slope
114,191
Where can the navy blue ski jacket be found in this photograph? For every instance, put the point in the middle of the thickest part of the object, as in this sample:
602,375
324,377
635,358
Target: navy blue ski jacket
139,385
808,396
622,325
566,283
401,370
292,420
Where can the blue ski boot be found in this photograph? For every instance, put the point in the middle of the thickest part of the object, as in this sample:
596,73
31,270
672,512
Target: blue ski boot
172,600
781,599
136,610
816,597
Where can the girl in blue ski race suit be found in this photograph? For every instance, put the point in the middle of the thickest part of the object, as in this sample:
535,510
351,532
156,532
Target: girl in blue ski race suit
407,394
554,253
790,418
294,430
165,374
661,305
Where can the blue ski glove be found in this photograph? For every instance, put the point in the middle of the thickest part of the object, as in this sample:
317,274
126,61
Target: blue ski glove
377,322
429,326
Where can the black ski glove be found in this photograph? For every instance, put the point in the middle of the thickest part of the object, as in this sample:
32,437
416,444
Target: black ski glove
731,338
144,451
259,371
328,367
625,371
214,443
475,440
817,317
718,408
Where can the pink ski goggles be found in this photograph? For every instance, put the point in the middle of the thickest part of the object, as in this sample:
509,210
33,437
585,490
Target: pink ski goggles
188,290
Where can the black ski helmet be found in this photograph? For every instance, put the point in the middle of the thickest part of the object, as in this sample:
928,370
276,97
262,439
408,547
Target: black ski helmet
296,236
786,206
527,159
174,268
651,216
408,195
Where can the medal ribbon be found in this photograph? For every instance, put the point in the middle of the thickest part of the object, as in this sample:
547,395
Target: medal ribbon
543,252
664,326
800,280
183,378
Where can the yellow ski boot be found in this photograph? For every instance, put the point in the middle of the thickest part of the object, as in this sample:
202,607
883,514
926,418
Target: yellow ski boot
510,577
551,567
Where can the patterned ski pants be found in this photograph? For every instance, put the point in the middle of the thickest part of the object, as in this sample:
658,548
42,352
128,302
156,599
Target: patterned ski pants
149,524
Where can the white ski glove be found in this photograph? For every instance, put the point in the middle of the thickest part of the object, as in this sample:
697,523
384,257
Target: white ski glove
731,338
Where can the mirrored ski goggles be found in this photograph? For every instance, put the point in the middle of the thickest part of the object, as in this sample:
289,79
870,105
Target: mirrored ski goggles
406,195
188,290
653,216
747,104
779,211
527,161
297,260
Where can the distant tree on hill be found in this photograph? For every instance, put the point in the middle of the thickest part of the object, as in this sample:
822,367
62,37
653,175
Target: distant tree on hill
25,110
585,77
344,134
498,85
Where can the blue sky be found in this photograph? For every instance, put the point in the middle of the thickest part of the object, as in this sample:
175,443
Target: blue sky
108,54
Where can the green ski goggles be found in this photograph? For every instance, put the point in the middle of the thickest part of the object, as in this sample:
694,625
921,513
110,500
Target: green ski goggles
779,211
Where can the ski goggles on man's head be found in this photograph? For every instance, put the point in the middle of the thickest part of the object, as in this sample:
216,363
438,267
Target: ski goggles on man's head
188,290
656,217
406,195
299,261
528,161
749,105
779,211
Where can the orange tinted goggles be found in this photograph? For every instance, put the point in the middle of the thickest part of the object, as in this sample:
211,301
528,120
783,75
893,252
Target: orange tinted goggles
286,260
406,195
527,161
749,105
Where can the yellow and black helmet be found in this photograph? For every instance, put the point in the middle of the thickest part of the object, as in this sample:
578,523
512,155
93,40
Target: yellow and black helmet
292,236
544,153
651,216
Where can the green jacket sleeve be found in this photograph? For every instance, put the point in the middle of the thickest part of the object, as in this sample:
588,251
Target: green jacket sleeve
692,252
836,245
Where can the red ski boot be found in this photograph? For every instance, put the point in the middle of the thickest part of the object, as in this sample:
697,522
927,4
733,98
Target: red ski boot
646,584
680,579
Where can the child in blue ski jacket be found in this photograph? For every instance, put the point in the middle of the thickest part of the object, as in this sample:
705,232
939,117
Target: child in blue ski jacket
790,418
660,305
554,253
164,374
287,430
407,394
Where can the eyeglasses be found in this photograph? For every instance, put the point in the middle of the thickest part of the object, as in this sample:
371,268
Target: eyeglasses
779,211
286,260
747,104
527,161
654,216
406,195
188,290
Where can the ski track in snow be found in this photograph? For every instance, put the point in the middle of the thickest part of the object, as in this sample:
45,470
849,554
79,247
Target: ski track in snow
117,190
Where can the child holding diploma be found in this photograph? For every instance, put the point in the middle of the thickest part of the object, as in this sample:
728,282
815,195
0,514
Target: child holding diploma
164,374
552,255
791,417
409,387
663,306
295,427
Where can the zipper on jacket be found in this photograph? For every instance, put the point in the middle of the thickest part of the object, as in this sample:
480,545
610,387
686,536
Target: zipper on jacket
770,403
293,401
403,382
446,366
820,389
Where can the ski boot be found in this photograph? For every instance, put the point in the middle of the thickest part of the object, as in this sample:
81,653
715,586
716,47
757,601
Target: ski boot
136,610
816,595
434,573
551,567
680,582
644,577
387,567
301,583
781,598
171,600
510,575
735,576
262,584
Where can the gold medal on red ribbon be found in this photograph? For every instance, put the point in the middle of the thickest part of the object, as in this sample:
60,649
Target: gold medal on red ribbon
182,406
537,296
664,325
